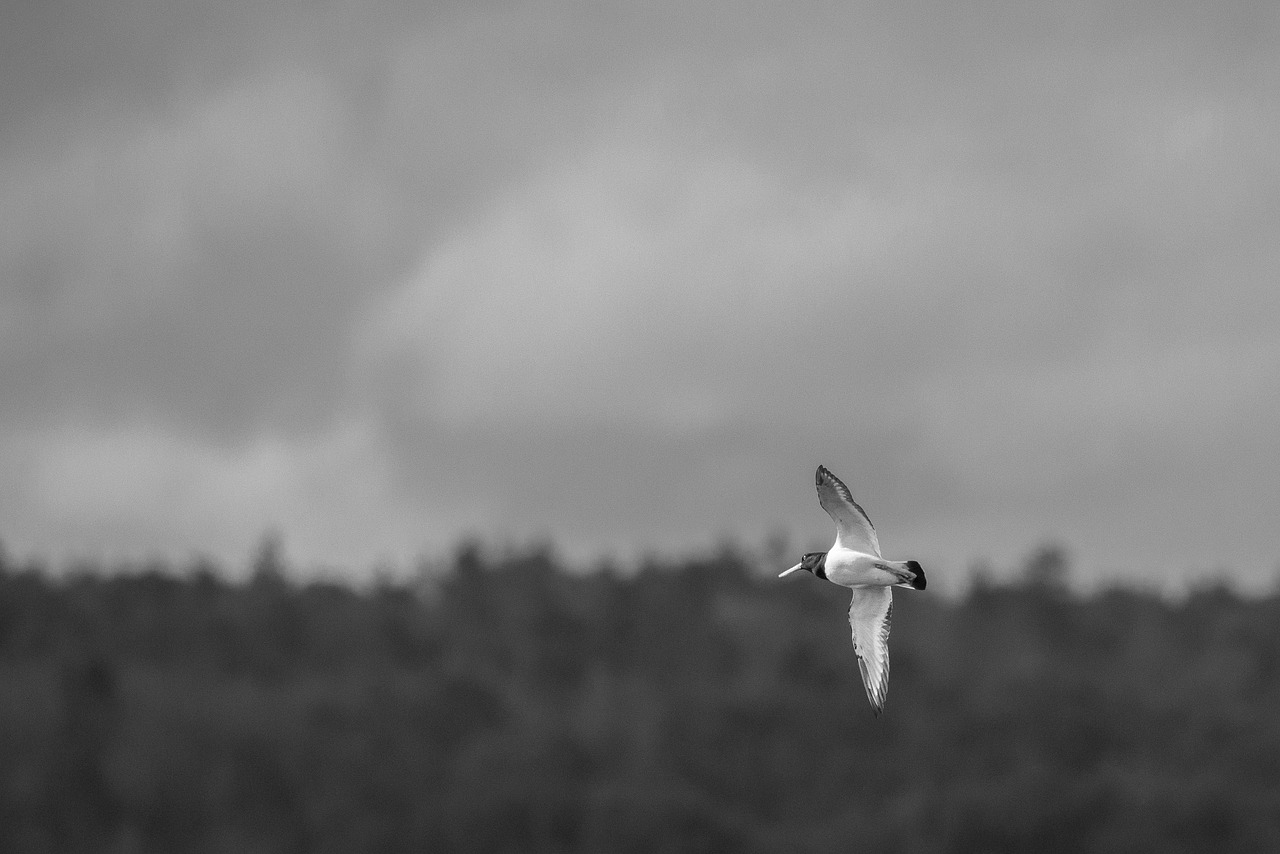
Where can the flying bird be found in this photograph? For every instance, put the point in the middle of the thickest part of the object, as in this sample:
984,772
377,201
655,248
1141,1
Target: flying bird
855,562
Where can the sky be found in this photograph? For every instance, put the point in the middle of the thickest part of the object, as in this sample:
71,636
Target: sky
379,277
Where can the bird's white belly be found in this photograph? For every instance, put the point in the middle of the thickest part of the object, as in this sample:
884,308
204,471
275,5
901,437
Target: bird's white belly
856,569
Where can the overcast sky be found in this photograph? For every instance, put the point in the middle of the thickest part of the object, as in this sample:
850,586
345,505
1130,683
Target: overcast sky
620,275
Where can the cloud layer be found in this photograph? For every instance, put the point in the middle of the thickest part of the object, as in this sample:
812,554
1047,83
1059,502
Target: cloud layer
380,280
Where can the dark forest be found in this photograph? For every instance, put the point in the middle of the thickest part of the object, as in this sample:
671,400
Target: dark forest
506,704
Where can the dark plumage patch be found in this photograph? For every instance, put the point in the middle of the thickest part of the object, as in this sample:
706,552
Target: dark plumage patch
815,562
919,581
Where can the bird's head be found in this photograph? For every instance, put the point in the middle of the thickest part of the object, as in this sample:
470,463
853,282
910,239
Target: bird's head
814,562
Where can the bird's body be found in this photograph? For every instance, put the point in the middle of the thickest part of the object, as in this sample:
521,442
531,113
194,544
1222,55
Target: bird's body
854,561
850,568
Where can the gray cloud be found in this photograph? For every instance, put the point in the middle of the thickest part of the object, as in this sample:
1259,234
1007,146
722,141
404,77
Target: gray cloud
622,277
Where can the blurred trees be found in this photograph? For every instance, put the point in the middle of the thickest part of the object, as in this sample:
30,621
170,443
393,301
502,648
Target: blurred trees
512,706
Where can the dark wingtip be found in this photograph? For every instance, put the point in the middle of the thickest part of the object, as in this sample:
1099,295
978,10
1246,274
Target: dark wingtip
919,581
817,476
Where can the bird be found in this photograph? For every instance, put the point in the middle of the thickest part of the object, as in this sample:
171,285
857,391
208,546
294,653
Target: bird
854,561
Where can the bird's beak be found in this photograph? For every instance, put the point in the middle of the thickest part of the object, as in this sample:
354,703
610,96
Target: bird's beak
789,571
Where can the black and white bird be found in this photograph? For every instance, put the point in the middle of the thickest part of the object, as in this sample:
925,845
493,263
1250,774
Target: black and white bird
855,562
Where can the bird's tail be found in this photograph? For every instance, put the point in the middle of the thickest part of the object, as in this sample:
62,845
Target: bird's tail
919,581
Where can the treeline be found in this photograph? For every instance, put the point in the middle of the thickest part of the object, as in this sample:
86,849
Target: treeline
508,705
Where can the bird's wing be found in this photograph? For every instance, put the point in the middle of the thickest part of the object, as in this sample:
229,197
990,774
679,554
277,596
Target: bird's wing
853,529
869,616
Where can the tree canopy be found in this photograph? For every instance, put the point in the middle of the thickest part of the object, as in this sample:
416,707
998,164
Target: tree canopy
509,705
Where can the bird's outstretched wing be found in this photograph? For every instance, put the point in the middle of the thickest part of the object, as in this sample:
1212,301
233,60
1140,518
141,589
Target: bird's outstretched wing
853,529
869,616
